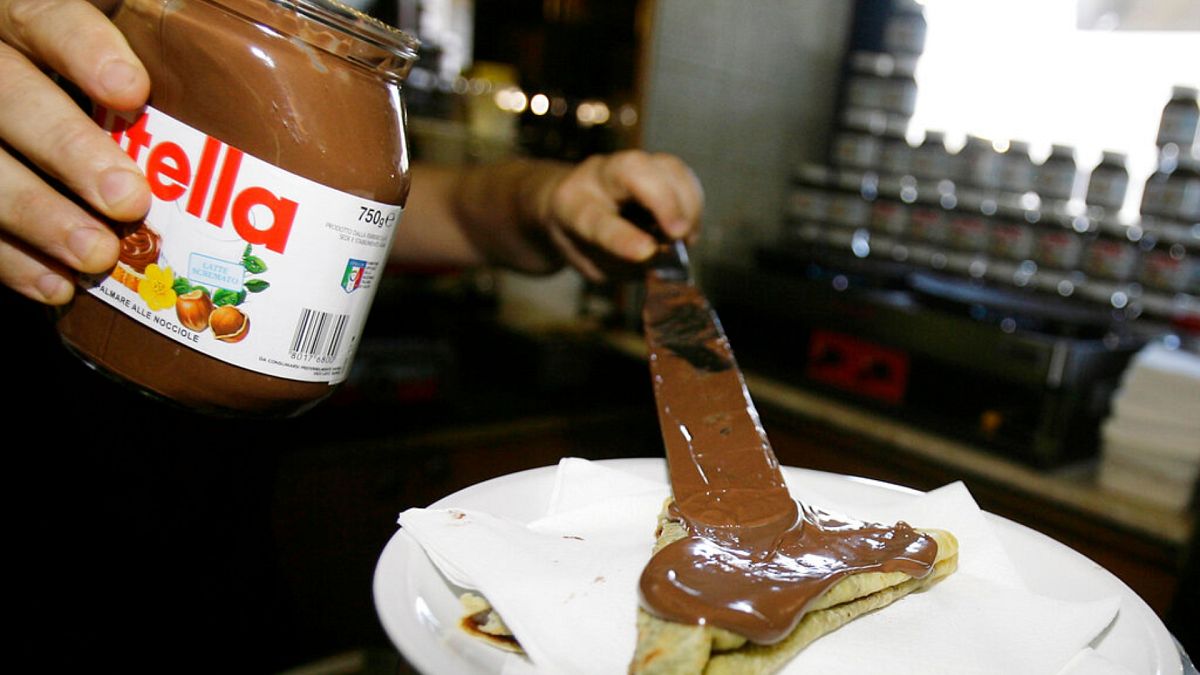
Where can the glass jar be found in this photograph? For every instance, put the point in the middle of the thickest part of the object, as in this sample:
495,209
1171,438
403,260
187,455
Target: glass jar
1109,182
1056,175
1180,120
274,144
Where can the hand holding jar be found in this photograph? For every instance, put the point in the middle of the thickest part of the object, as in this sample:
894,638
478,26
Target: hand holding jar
46,141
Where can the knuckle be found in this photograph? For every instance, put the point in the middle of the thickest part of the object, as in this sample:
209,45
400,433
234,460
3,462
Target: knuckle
21,15
78,145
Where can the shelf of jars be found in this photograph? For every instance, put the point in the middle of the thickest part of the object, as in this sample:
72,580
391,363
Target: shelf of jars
1038,239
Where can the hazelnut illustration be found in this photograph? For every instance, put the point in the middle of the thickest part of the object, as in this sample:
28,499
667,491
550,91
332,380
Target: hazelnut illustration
193,309
229,324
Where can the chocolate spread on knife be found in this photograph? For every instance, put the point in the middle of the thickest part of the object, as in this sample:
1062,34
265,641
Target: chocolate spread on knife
754,559
315,96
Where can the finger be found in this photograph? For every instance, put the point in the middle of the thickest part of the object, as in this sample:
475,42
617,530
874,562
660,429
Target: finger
660,183
42,123
25,272
597,225
75,39
33,212
689,196
574,257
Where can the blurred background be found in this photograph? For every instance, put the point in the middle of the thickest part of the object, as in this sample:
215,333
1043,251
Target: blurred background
949,240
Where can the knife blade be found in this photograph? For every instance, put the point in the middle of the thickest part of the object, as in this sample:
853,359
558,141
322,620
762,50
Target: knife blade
724,473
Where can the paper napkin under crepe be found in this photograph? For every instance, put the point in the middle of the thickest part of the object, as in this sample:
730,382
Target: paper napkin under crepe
566,584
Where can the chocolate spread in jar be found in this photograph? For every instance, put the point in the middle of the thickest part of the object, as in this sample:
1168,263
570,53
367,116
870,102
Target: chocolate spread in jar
306,86
755,558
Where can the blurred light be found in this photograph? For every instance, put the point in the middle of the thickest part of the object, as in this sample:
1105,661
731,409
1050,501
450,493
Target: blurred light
628,116
511,99
1080,224
461,85
1065,288
937,260
860,245
977,269
590,113
841,283
539,104
1000,146
1008,324
1119,300
479,87
558,106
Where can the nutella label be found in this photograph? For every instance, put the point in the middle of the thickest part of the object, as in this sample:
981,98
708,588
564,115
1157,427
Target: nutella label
241,260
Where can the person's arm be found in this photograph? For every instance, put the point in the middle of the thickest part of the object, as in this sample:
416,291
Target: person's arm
60,174
534,215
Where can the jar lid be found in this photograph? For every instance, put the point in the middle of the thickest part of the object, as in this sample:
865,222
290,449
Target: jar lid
1180,91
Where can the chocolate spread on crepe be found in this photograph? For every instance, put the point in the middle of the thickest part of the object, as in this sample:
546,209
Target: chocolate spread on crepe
754,559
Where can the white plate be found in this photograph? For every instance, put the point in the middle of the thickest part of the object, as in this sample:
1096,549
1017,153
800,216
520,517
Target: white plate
420,610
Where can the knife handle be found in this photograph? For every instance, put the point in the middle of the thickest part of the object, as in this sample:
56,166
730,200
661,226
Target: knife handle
671,261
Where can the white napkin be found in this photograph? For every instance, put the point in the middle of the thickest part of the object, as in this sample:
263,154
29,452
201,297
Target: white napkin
566,585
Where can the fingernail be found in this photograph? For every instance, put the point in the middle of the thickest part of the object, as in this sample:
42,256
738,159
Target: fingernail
118,186
644,248
53,288
678,228
117,76
83,242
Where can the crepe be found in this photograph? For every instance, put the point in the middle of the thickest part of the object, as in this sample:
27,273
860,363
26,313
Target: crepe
669,648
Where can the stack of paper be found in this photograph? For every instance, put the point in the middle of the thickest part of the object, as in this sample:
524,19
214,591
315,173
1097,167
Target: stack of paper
1151,440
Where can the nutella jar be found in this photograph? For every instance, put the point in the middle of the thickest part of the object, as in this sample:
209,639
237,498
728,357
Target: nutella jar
900,92
904,31
929,219
1056,175
895,154
1108,182
867,83
1016,168
851,203
969,226
981,164
811,192
1180,119
1113,252
857,144
1172,264
931,160
1181,191
1154,190
275,149
1013,233
1059,240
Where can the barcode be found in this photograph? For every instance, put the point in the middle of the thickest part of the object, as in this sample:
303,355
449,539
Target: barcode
319,333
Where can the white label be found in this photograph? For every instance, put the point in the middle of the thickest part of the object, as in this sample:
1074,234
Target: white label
299,262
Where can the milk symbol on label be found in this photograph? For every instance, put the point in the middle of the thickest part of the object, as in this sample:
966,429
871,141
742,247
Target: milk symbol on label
352,277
